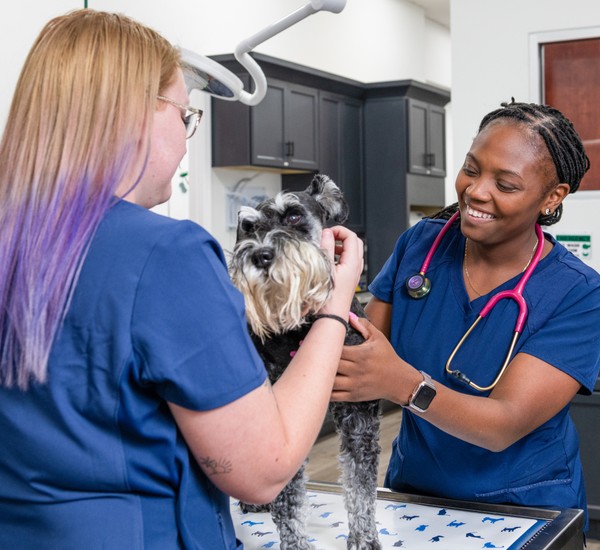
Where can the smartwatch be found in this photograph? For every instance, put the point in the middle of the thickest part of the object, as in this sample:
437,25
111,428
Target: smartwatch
423,394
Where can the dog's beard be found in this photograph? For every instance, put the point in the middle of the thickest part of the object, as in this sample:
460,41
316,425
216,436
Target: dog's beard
296,284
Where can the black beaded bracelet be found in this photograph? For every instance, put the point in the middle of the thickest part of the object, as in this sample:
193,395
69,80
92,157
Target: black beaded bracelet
331,316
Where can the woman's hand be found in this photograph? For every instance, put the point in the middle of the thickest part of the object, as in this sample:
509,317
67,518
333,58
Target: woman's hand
372,370
350,248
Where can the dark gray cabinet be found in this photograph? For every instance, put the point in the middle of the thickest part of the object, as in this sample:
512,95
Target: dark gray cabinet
382,143
284,127
340,154
426,143
585,412
404,160
341,151
281,132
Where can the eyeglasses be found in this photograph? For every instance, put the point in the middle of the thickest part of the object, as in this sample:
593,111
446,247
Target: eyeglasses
191,118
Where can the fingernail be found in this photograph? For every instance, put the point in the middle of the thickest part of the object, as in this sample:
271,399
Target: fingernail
353,316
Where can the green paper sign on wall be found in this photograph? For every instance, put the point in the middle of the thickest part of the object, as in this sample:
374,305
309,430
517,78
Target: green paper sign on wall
580,245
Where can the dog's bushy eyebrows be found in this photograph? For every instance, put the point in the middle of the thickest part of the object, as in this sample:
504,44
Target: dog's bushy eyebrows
287,201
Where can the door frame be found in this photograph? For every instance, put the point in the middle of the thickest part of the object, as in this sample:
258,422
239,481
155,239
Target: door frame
536,40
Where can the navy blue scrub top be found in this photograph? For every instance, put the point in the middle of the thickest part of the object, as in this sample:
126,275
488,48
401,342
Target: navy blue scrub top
563,296
92,459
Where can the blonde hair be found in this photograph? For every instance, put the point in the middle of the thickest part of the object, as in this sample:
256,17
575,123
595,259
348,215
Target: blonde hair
79,122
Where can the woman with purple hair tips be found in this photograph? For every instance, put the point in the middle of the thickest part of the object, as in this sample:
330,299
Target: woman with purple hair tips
131,396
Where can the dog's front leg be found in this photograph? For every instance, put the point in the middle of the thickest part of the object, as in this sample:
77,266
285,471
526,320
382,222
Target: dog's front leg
358,427
290,514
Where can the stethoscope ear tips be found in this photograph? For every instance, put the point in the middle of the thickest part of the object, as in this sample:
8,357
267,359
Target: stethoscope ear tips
418,286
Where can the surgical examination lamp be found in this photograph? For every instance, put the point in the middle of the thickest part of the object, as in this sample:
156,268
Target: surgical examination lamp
202,73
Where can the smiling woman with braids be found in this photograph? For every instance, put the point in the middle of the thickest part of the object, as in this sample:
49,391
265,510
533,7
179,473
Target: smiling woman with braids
464,436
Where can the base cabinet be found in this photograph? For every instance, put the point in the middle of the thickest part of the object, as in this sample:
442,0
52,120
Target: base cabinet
585,412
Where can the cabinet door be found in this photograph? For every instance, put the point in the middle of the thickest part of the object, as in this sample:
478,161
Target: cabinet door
417,137
329,136
301,135
352,177
284,127
426,139
436,131
341,155
267,127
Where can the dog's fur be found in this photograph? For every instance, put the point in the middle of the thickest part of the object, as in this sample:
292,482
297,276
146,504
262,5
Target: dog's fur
285,278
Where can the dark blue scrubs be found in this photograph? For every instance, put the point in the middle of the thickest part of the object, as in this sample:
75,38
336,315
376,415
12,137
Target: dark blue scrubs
563,296
93,459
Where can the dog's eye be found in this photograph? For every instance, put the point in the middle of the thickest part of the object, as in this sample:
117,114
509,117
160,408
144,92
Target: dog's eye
246,226
293,219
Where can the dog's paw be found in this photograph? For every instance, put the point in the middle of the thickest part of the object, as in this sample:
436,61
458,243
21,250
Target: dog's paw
297,545
354,543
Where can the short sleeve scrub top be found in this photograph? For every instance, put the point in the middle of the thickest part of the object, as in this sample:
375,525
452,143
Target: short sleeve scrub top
543,469
93,459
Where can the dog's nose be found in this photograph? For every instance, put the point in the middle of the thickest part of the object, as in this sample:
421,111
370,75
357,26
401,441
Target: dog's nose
263,258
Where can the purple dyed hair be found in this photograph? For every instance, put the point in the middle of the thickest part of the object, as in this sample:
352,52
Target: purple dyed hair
79,122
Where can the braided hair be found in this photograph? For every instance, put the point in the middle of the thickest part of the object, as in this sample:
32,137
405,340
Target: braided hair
561,139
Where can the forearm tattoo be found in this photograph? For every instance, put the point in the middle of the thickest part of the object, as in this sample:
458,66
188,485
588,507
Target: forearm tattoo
222,466
214,467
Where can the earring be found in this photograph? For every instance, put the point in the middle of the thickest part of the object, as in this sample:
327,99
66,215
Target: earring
547,212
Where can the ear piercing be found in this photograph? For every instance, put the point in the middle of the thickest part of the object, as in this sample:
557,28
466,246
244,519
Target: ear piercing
548,211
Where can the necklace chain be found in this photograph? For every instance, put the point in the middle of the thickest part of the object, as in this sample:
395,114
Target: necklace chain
466,265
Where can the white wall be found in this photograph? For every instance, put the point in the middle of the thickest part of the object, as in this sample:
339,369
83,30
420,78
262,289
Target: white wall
370,41
491,64
20,23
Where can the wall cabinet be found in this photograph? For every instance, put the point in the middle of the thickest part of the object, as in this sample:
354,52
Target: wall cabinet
426,144
340,154
281,132
382,143
284,127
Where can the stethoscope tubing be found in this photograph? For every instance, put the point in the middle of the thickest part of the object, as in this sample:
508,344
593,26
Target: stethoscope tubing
515,294
436,243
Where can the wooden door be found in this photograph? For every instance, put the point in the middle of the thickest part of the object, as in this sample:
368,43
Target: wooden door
571,80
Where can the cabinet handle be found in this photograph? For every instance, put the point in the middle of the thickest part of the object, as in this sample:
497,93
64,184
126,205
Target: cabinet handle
289,148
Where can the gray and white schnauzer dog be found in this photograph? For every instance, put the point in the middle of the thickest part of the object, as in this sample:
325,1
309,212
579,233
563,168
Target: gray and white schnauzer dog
286,278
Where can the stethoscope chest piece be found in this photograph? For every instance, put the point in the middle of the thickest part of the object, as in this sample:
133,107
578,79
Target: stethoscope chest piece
418,285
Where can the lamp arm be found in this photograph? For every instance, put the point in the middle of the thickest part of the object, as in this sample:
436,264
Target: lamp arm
202,73
247,45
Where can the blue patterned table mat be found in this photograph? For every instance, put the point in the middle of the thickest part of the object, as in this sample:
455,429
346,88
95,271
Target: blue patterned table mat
400,525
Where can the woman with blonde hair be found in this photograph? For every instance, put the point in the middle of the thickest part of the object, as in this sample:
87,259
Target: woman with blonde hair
131,398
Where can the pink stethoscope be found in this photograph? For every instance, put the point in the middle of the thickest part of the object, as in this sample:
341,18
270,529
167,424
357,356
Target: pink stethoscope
419,286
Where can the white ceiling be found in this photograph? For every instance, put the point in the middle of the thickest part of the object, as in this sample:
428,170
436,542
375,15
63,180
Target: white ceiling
436,10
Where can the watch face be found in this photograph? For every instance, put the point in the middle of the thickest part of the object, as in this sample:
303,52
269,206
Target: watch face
423,397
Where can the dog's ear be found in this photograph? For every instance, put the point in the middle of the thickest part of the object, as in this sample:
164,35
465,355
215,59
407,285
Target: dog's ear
330,199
